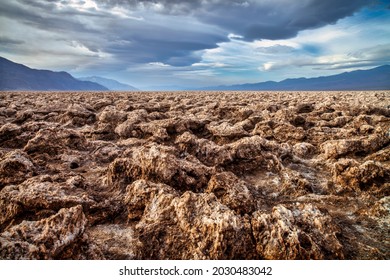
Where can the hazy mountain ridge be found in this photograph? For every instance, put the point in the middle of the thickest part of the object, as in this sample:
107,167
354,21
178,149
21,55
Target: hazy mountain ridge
111,84
373,79
14,76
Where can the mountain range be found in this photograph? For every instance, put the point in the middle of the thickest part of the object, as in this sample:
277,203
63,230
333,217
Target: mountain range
109,83
14,76
373,79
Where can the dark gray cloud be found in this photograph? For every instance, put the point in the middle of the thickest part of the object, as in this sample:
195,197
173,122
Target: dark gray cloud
45,16
267,19
154,37
264,19
8,41
168,31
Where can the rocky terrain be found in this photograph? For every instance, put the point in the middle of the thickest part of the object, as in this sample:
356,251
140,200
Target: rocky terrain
195,175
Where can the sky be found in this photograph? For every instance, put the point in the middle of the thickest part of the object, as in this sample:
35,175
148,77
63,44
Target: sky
171,44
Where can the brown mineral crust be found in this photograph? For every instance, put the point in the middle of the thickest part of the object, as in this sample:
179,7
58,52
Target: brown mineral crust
371,176
303,232
305,108
190,226
381,210
227,130
77,115
55,141
247,153
194,175
103,131
8,133
295,184
105,152
365,145
39,195
111,115
205,150
156,130
23,116
15,167
232,192
128,128
216,232
303,149
106,241
288,133
43,239
160,164
141,193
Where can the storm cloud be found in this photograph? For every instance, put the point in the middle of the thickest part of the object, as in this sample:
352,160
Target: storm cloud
264,19
118,35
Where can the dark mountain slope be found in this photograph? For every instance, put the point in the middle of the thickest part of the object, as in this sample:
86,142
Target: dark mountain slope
14,76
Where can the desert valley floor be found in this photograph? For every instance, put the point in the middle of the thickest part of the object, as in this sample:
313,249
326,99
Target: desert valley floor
195,175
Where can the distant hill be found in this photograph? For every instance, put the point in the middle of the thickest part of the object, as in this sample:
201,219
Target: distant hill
14,76
109,83
373,79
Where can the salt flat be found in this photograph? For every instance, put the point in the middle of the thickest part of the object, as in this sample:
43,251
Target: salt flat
194,175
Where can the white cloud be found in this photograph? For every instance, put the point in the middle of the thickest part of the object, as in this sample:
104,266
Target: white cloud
158,64
233,36
266,66
80,5
212,65
124,13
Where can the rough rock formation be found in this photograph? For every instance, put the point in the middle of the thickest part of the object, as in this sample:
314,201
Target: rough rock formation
194,175
15,167
187,226
302,233
43,239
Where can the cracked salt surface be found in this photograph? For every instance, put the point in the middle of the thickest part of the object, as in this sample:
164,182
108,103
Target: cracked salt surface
194,175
